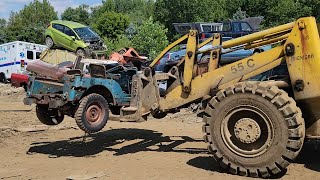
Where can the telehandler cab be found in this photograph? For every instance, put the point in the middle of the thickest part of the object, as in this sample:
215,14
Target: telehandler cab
253,128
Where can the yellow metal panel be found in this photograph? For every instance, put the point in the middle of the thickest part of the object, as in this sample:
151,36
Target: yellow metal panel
201,85
305,63
189,60
213,62
256,36
253,73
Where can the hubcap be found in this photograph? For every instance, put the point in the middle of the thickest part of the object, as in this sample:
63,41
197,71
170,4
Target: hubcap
95,114
247,131
49,42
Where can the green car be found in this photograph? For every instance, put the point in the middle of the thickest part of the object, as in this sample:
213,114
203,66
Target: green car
73,36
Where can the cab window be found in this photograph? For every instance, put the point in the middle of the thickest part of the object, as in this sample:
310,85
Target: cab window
58,27
38,55
236,27
69,31
30,55
245,27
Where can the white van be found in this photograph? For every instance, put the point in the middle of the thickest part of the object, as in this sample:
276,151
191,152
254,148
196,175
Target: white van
14,57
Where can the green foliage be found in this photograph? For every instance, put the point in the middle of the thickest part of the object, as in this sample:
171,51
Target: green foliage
150,39
239,14
121,21
3,35
29,24
137,10
181,11
275,12
115,45
80,14
111,24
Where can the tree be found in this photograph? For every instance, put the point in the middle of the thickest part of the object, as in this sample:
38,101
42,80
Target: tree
181,11
111,24
137,10
80,14
30,23
150,39
275,12
116,44
3,35
239,14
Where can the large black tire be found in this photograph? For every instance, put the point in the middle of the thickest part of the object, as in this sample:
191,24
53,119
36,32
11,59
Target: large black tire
253,129
93,113
48,117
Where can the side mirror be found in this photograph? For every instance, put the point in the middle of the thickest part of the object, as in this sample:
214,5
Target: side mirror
73,38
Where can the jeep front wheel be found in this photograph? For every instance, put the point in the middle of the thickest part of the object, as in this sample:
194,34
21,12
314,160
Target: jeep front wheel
92,113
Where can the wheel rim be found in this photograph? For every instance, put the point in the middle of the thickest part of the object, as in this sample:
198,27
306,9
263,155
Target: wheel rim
81,53
49,42
247,131
95,114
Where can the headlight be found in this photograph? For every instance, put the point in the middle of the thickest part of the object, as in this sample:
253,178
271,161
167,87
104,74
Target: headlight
87,43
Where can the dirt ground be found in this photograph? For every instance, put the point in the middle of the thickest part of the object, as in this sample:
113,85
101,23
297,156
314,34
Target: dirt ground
171,148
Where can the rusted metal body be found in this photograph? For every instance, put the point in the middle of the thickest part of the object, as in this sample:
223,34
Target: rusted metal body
127,55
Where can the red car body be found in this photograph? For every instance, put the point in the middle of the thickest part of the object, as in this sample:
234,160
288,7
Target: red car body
19,80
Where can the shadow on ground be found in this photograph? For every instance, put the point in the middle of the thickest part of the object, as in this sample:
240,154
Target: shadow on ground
148,140
310,155
144,140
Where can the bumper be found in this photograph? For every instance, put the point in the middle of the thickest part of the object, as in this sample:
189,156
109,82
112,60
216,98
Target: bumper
45,100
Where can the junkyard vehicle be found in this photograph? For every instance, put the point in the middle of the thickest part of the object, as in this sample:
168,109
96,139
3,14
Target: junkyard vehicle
73,36
86,93
253,128
230,28
14,57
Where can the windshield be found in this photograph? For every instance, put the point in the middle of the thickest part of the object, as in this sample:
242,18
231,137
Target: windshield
86,33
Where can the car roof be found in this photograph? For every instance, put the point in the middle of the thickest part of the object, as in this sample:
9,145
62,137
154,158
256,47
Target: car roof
70,24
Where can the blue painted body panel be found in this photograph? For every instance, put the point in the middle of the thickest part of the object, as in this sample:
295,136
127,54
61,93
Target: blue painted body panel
73,89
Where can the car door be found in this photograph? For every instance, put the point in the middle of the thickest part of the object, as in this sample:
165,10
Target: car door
70,38
57,34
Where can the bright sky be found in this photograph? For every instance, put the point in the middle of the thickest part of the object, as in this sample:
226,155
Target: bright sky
6,6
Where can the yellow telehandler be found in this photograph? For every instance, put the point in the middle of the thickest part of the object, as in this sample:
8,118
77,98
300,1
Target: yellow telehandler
253,128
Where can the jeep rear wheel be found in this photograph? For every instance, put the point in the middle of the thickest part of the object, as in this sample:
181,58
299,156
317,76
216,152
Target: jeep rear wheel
253,129
48,117
92,114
